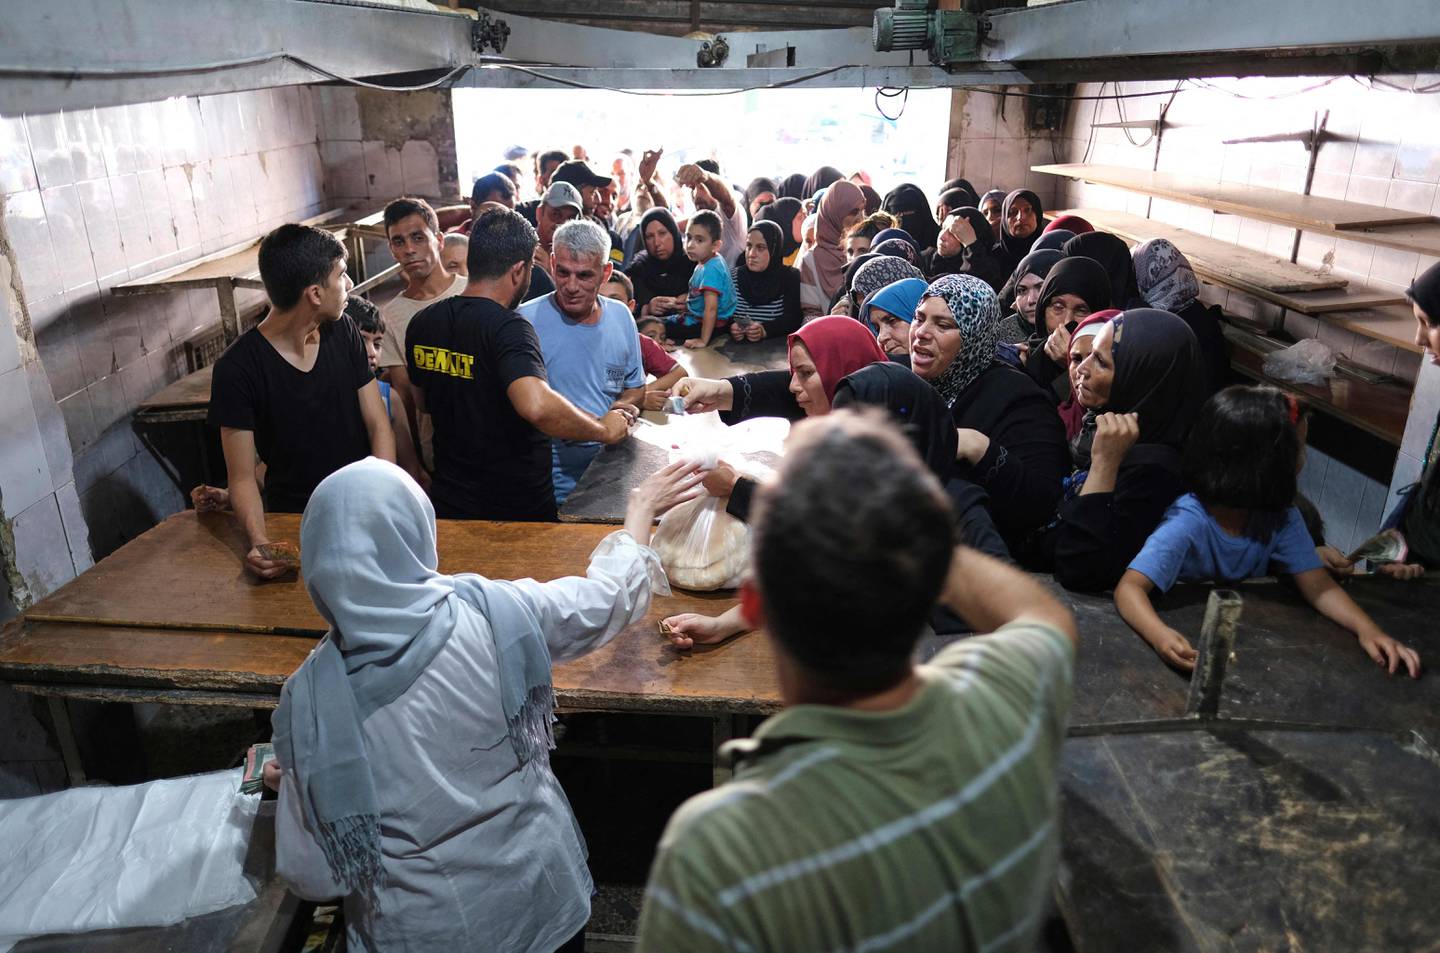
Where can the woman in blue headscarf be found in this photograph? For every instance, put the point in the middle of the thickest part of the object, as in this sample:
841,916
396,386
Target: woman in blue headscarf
414,742
889,311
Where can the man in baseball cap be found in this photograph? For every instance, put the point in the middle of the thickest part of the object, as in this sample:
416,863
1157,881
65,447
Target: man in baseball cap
577,172
560,203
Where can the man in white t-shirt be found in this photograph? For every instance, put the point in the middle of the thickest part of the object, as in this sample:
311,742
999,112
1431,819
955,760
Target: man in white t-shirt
415,240
709,191
591,350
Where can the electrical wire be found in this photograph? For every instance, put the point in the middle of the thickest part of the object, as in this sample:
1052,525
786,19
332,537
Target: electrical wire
889,93
781,84
83,73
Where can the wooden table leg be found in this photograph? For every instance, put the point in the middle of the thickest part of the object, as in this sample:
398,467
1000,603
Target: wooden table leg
65,734
229,316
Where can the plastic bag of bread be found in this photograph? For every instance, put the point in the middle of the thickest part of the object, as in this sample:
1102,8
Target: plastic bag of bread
701,546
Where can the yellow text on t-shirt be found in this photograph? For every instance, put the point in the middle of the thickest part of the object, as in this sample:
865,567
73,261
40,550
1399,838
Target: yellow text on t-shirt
444,361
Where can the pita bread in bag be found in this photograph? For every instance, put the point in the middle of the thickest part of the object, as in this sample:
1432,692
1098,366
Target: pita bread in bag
702,547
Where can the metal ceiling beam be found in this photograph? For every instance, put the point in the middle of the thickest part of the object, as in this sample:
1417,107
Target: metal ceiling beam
1099,30
190,47
155,35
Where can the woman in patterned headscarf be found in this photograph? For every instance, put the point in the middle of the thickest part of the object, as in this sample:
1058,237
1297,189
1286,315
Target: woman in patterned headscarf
867,274
1011,442
1167,282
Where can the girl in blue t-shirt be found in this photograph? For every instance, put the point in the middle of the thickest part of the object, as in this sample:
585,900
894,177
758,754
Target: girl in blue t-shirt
1241,461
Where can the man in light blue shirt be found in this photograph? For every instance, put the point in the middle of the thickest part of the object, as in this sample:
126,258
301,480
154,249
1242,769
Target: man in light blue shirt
591,348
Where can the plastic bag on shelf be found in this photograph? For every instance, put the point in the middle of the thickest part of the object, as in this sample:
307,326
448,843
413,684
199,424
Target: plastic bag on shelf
1306,362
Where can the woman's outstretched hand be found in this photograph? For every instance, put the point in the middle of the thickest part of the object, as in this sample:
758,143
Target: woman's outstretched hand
658,493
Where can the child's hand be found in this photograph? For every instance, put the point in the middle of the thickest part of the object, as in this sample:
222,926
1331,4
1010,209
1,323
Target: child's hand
655,399
696,344
1175,649
755,332
1335,561
690,629
1389,653
737,331
1401,571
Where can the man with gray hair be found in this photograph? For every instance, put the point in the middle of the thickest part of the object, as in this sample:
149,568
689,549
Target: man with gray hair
592,353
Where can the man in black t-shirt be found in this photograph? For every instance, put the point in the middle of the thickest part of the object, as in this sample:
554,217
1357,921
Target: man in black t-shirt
294,392
478,371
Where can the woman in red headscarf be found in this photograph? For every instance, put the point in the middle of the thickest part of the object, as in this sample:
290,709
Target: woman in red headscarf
821,353
829,356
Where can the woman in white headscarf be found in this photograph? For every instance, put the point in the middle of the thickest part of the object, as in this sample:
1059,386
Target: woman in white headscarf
414,741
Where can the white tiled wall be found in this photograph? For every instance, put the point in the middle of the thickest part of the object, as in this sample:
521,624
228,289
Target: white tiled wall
990,146
95,197
387,159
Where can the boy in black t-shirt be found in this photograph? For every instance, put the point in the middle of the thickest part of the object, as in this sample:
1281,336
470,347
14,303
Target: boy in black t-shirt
477,370
295,391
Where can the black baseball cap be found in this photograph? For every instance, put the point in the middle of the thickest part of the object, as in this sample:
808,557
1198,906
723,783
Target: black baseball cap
578,172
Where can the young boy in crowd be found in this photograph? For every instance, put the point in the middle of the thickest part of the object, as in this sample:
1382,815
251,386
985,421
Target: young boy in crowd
372,332
294,392
711,303
664,368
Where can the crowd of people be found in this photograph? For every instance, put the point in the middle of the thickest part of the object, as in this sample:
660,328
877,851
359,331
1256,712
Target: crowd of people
996,392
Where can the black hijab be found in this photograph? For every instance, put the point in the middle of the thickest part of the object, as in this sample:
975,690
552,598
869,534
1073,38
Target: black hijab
908,204
960,264
792,187
1158,374
1036,263
1114,255
782,212
762,287
1083,277
1016,247
1055,238
1425,291
757,187
972,198
821,178
917,405
670,277
850,270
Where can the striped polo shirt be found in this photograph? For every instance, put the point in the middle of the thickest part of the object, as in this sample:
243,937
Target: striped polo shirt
931,827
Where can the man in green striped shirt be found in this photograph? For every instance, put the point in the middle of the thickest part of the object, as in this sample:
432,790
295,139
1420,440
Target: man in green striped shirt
890,806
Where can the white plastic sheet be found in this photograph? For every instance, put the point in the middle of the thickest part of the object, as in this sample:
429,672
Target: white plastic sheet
139,856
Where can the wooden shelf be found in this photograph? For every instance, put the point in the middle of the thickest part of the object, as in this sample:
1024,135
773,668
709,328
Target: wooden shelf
1373,312
1378,409
1354,221
1394,325
189,392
